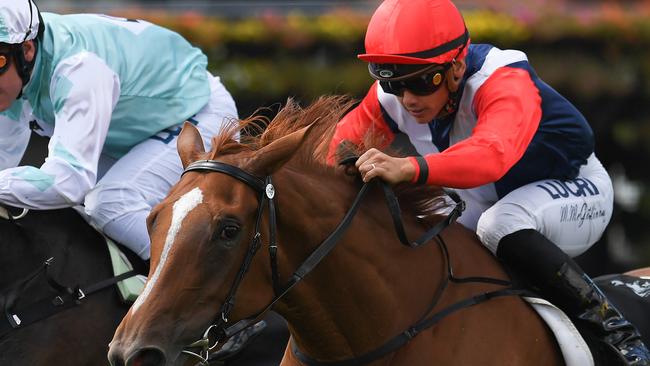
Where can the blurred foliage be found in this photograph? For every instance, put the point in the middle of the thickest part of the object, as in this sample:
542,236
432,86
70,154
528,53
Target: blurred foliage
596,57
272,56
296,30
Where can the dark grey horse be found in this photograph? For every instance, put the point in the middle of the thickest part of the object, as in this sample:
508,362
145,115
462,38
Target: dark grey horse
48,260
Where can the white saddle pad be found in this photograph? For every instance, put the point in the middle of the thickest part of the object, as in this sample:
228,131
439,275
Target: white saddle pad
573,346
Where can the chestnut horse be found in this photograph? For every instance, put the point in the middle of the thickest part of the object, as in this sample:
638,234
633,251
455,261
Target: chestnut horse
362,299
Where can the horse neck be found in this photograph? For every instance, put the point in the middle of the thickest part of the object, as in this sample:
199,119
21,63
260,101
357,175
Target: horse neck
365,289
370,287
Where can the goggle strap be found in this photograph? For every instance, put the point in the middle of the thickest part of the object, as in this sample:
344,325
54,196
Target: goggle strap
410,75
31,15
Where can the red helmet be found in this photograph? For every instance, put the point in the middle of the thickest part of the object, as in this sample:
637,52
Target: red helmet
415,32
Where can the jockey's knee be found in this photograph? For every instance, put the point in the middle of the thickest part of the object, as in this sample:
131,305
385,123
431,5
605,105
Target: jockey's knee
109,202
503,219
120,212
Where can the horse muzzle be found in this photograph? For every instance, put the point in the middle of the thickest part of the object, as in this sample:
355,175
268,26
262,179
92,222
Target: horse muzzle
137,356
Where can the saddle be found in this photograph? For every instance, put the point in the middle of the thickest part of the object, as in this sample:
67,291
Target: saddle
631,296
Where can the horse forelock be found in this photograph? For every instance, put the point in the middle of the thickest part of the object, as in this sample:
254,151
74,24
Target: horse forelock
258,131
323,116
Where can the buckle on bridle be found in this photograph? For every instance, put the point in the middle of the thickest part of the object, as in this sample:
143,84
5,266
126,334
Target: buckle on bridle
14,320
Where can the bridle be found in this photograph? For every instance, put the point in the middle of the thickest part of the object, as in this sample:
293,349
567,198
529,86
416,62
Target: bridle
266,190
65,296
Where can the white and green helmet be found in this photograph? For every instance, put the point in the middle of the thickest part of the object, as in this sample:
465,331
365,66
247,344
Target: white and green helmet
19,21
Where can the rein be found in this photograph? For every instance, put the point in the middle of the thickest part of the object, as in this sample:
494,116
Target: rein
266,191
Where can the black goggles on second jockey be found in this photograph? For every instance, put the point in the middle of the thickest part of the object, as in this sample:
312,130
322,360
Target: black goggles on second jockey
419,80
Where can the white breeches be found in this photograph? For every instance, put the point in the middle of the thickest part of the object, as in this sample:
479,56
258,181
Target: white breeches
573,214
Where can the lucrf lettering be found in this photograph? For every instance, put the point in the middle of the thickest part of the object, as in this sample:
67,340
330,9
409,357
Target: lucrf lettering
579,187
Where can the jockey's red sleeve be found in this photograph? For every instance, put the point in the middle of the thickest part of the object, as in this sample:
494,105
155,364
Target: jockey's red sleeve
508,106
363,119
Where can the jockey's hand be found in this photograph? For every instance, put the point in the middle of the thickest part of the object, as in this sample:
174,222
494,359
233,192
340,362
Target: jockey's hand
374,163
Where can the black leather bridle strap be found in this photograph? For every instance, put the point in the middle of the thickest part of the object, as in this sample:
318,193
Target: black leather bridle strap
233,171
273,246
395,212
328,244
260,186
229,303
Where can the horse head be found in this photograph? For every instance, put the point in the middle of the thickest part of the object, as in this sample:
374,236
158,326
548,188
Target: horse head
200,234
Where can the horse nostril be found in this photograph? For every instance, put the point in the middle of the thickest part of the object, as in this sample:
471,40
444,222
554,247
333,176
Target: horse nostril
147,357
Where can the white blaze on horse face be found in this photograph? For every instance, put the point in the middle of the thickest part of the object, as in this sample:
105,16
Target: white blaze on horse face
181,209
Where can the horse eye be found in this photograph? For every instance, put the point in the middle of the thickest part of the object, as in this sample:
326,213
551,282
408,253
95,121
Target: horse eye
228,232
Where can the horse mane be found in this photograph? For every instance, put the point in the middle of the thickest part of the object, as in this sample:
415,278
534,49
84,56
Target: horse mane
257,131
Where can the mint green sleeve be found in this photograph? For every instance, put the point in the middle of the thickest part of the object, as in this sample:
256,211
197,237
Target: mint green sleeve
14,134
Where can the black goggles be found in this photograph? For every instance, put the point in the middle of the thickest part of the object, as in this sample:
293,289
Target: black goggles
394,79
4,62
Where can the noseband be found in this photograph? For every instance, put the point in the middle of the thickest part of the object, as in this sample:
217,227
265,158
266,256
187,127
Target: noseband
264,187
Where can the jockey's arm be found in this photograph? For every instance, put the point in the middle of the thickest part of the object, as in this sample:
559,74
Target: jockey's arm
84,91
364,119
508,106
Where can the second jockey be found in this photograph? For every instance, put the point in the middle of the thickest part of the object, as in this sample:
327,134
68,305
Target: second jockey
111,93
520,154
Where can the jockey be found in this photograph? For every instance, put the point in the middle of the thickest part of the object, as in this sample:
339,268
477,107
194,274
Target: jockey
111,94
520,155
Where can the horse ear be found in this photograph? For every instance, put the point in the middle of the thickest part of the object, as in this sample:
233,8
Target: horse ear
274,155
189,144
